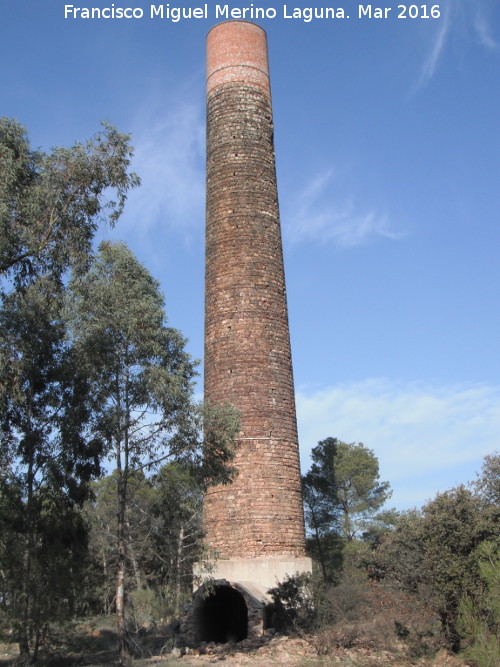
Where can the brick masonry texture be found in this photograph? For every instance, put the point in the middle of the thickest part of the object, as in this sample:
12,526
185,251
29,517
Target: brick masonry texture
247,346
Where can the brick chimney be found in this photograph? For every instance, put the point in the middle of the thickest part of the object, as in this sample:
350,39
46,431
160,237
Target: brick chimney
256,524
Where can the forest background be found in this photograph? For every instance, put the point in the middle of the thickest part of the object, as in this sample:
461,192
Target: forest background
387,154
91,373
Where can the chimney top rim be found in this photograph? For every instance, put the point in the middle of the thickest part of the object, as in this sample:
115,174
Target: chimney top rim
236,21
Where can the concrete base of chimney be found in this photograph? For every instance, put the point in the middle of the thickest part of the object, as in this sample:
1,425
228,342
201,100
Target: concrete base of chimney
265,573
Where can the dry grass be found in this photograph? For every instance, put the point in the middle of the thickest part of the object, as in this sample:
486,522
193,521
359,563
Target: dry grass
369,626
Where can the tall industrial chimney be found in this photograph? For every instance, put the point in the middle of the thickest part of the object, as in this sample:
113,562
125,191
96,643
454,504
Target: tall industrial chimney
256,524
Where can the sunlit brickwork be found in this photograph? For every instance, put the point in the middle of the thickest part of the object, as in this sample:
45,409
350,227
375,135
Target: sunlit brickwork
247,345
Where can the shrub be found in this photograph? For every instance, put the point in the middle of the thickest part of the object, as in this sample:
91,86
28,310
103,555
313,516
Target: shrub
479,615
293,606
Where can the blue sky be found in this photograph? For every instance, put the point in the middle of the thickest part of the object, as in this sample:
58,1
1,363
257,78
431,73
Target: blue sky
387,147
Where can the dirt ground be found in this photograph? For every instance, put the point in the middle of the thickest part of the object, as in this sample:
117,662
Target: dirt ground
299,652
278,651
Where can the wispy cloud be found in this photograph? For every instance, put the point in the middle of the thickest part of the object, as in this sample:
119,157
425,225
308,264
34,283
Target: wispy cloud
468,19
319,213
169,158
483,30
427,437
436,48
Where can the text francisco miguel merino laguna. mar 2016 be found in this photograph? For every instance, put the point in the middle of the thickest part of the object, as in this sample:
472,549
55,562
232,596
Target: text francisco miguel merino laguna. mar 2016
252,12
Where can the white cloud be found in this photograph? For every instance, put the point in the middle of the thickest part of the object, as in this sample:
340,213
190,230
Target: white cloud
462,17
317,213
483,30
169,158
436,48
427,438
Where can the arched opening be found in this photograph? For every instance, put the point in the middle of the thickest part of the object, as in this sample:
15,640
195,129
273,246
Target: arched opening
221,617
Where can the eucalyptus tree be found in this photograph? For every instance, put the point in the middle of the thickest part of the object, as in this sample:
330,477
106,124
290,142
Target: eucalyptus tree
50,206
100,513
52,202
164,537
48,458
142,379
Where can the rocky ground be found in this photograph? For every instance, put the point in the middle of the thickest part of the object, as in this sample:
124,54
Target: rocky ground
273,651
297,652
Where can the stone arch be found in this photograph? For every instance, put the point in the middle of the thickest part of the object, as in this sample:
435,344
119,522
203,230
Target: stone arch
221,616
223,611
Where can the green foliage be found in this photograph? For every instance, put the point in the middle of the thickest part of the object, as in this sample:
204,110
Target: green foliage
217,425
327,553
146,607
176,535
379,525
293,604
46,399
344,601
399,553
479,613
164,537
141,379
342,492
100,513
345,484
433,553
48,460
355,611
140,373
487,484
51,203
137,365
453,526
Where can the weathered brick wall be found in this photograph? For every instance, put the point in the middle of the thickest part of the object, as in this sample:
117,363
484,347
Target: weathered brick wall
247,346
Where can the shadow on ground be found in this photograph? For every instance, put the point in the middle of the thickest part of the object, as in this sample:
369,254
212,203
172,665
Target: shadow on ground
84,645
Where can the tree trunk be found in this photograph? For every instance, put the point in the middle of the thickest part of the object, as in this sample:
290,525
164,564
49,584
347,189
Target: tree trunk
27,601
122,448
321,556
24,631
36,647
180,544
133,560
121,626
106,605
449,627
123,652
319,545
124,659
24,645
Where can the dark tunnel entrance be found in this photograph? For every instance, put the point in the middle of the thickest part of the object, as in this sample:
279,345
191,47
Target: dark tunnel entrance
221,617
